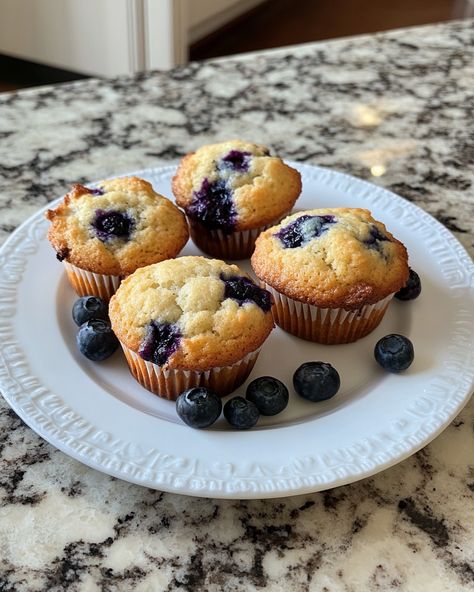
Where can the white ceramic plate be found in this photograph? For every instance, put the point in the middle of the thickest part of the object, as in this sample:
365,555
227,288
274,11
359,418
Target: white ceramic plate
99,415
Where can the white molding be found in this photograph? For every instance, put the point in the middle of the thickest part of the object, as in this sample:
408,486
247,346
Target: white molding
463,9
110,37
165,33
100,38
136,37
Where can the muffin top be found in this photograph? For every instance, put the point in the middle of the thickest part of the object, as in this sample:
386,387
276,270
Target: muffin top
191,313
235,186
113,229
332,258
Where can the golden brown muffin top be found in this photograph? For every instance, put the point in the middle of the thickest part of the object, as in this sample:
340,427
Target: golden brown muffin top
191,313
331,258
113,229
235,185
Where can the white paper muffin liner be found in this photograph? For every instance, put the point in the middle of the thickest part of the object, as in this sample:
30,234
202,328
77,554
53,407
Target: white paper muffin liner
169,384
234,245
87,283
325,325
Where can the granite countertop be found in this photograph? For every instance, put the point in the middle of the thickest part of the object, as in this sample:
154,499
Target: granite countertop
395,108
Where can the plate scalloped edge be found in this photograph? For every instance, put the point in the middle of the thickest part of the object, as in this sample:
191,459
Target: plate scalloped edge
443,398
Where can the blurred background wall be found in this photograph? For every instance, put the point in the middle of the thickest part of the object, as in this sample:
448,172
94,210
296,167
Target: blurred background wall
45,41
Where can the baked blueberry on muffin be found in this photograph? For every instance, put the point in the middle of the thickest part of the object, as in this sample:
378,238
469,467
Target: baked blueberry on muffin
232,191
332,273
106,233
190,321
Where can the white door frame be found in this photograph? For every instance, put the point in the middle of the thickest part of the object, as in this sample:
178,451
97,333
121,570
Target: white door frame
165,33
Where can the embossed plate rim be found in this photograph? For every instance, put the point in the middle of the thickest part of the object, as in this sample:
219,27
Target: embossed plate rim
343,466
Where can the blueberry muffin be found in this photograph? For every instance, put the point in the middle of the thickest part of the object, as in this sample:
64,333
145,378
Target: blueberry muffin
190,321
231,192
332,273
106,233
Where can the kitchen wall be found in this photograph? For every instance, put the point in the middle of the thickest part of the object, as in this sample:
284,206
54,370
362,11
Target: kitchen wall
206,16
110,37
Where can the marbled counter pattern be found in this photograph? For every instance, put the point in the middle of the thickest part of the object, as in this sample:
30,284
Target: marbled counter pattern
395,108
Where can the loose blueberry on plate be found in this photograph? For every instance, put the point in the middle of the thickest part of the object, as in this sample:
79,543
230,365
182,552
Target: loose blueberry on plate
316,381
394,353
89,307
96,340
198,407
269,395
241,413
412,288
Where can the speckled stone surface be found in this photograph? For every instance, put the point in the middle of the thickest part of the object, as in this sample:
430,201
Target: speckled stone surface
394,108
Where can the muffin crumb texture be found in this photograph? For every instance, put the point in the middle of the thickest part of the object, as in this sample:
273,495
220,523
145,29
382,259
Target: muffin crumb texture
331,258
235,185
191,313
113,229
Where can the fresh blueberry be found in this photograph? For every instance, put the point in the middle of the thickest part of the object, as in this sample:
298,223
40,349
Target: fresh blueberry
376,236
316,381
96,190
243,289
213,206
303,229
241,413
62,254
161,341
88,308
269,395
110,224
412,288
236,160
199,407
96,340
394,353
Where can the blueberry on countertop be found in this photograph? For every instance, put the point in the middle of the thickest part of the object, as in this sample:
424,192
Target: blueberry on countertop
412,288
96,340
316,381
198,407
88,308
241,413
394,353
269,394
